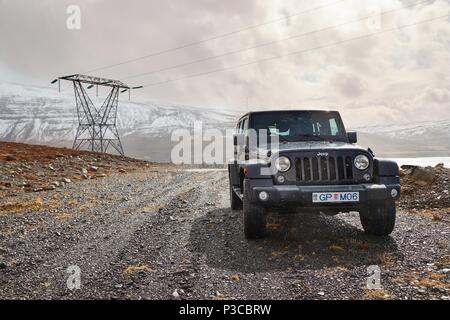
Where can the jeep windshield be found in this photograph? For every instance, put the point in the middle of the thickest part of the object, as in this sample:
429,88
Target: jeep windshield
292,126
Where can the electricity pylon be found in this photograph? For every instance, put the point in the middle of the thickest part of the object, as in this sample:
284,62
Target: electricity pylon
97,127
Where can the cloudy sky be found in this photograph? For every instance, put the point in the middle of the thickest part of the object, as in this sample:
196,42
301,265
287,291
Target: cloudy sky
379,77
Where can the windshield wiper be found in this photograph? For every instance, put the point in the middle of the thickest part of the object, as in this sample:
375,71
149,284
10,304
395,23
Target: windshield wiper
286,139
312,136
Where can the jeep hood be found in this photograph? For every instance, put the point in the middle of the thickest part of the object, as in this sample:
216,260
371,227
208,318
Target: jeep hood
316,145
310,146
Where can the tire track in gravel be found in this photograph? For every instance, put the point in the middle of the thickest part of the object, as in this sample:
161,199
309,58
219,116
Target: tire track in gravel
163,245
103,233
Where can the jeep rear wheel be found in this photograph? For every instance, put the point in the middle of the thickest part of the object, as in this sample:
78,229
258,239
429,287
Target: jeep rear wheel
255,216
235,201
379,218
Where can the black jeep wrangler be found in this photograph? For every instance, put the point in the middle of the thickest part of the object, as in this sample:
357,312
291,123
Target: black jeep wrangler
303,161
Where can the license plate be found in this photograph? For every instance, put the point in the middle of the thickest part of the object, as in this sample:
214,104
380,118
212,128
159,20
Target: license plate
335,197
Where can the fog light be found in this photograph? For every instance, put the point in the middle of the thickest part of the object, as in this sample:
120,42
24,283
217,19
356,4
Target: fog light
263,196
281,179
394,193
367,177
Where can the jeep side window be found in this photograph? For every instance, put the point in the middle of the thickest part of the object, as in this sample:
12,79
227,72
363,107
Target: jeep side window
244,125
333,127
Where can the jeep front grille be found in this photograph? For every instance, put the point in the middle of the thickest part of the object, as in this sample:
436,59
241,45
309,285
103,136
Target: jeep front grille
321,169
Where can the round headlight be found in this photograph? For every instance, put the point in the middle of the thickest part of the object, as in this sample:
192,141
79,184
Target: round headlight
361,162
282,164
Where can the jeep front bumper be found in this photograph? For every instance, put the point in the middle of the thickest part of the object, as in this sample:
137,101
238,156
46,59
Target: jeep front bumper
293,195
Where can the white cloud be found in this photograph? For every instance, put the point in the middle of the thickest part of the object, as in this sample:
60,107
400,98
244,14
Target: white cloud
391,77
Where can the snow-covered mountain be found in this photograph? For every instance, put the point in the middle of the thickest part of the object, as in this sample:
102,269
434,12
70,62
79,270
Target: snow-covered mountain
421,130
45,116
413,139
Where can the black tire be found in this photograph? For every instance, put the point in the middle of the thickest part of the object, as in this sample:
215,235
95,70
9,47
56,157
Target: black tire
255,217
236,202
378,218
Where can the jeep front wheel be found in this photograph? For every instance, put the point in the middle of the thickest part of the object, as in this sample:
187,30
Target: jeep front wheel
255,216
378,218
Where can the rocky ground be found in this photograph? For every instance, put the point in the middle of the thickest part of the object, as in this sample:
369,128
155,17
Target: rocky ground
426,191
34,168
163,232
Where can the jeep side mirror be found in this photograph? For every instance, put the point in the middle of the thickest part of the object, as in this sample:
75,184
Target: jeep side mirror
352,137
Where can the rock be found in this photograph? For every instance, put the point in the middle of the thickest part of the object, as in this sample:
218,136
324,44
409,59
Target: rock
175,294
84,172
37,189
66,180
446,270
93,168
3,265
51,167
101,175
425,175
321,293
49,188
9,158
234,277
55,183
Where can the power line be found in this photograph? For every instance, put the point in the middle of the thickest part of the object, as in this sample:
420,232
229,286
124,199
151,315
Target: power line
158,53
269,43
294,52
225,124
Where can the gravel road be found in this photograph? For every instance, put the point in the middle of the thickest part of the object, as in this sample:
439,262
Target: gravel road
167,233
